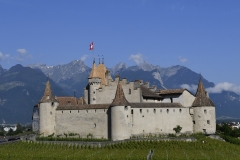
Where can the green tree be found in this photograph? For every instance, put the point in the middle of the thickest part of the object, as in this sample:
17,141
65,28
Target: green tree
19,129
10,132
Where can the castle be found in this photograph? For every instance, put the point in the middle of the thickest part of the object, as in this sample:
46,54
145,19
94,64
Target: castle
118,109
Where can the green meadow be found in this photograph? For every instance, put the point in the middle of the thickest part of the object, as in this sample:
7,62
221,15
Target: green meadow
210,149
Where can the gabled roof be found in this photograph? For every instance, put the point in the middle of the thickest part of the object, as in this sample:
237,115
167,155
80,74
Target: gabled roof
67,101
148,93
156,105
170,91
201,98
120,99
84,107
48,95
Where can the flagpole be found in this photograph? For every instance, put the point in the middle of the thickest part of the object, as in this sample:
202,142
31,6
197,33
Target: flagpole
93,49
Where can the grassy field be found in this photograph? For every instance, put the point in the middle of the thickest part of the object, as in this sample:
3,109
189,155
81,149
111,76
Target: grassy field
210,149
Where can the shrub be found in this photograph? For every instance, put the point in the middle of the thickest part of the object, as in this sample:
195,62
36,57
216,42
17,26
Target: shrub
177,129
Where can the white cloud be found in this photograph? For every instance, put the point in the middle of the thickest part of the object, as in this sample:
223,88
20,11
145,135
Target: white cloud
183,60
192,87
20,59
4,56
137,58
218,88
84,57
22,51
23,55
225,86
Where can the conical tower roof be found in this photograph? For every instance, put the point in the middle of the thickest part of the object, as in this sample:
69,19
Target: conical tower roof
120,99
48,95
94,73
201,98
102,73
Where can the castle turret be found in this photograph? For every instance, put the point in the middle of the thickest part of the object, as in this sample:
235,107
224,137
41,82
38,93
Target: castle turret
204,117
47,110
94,82
120,116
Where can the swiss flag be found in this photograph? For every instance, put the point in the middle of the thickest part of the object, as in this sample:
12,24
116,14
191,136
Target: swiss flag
91,46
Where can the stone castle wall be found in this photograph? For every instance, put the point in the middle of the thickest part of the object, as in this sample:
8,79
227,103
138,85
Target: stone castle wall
83,122
107,93
160,120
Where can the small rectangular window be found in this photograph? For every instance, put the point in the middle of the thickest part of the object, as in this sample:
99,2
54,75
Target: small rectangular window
208,121
205,111
129,91
154,110
132,111
140,110
194,122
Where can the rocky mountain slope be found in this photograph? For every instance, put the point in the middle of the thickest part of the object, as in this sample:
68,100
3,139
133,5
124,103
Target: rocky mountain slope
72,77
20,89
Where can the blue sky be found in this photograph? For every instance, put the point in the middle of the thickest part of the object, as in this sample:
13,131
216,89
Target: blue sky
201,35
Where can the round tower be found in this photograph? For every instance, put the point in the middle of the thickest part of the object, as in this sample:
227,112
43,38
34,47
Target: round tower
120,116
94,82
204,117
47,110
94,85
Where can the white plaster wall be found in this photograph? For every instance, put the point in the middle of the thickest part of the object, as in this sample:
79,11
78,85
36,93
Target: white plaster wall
145,100
83,122
86,95
175,99
47,113
201,116
120,123
160,122
107,93
188,99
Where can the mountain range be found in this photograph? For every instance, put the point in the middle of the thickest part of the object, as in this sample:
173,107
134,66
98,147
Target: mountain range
22,87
